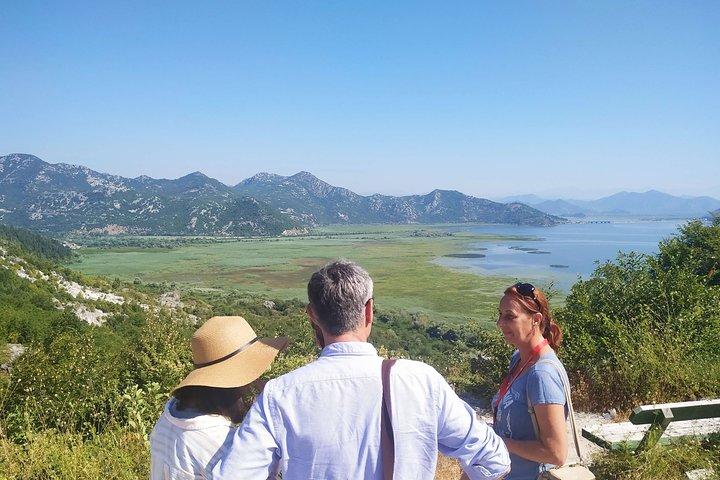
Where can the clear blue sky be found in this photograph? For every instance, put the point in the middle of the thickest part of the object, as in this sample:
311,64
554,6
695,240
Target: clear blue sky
573,99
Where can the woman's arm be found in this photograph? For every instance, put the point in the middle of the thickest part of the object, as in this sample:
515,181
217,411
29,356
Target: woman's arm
551,446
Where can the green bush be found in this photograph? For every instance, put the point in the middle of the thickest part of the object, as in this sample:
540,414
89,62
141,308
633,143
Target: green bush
160,353
643,329
696,248
142,408
71,386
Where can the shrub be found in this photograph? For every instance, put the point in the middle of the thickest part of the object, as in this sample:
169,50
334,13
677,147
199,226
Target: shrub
642,330
72,386
160,353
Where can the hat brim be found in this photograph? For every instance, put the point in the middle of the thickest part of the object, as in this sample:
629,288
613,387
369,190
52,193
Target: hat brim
239,370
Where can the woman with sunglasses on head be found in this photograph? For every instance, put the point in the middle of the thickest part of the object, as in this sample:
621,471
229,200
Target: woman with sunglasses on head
533,385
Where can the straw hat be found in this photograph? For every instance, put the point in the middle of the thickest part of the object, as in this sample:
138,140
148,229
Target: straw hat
227,354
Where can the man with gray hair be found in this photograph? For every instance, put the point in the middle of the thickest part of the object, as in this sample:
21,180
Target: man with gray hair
323,420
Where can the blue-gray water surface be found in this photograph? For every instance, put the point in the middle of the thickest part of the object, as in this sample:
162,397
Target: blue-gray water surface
559,254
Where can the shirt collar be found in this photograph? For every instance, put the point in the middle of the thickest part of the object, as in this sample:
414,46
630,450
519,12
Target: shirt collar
348,348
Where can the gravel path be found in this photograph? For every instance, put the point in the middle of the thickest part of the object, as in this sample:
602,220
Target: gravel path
586,446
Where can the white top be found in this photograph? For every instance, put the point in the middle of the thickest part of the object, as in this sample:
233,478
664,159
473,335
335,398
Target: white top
322,421
186,444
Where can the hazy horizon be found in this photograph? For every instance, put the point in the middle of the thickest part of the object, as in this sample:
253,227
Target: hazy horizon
493,99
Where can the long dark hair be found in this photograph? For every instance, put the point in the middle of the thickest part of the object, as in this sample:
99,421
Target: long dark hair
539,304
232,403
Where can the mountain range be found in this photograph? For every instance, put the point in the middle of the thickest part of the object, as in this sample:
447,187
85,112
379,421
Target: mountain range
651,202
63,198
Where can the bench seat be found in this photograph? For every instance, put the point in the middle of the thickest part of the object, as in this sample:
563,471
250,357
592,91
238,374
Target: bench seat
628,435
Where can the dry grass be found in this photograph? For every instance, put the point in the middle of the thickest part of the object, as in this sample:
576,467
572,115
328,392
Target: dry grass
116,455
447,469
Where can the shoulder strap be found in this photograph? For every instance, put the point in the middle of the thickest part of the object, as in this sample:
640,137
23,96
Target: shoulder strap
566,387
387,438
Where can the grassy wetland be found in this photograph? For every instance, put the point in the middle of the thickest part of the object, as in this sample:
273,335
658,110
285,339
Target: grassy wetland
399,258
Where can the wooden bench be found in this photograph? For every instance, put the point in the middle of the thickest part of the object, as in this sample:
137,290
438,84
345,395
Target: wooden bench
663,423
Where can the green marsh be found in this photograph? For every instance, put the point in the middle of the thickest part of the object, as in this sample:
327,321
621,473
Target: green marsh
399,257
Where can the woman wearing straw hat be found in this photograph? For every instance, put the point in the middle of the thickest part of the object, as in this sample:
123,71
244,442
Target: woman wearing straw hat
200,417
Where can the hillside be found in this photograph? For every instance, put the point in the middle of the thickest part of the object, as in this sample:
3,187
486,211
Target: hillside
38,298
62,198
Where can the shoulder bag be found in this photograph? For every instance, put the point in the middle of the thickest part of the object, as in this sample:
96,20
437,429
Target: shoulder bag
577,471
387,438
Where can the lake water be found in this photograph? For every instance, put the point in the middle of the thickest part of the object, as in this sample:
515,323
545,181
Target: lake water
562,253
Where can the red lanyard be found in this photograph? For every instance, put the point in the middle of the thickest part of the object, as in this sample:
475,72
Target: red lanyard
510,378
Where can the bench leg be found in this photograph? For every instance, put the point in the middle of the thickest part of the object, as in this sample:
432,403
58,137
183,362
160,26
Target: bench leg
656,430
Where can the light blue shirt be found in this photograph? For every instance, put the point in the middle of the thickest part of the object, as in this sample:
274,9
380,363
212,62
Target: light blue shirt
322,421
540,384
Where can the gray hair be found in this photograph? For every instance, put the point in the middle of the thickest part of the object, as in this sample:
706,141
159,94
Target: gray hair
338,293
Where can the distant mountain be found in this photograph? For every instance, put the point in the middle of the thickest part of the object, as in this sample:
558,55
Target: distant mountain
561,207
529,199
656,203
651,202
305,198
61,198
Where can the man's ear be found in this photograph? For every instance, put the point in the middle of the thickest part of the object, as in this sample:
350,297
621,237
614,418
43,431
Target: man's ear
310,313
369,312
317,330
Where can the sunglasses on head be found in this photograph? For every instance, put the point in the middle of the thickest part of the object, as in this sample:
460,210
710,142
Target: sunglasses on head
527,290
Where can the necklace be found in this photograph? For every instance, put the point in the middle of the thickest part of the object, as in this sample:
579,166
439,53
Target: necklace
513,375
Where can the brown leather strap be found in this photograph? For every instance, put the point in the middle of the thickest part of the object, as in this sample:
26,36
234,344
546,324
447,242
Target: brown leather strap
387,438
